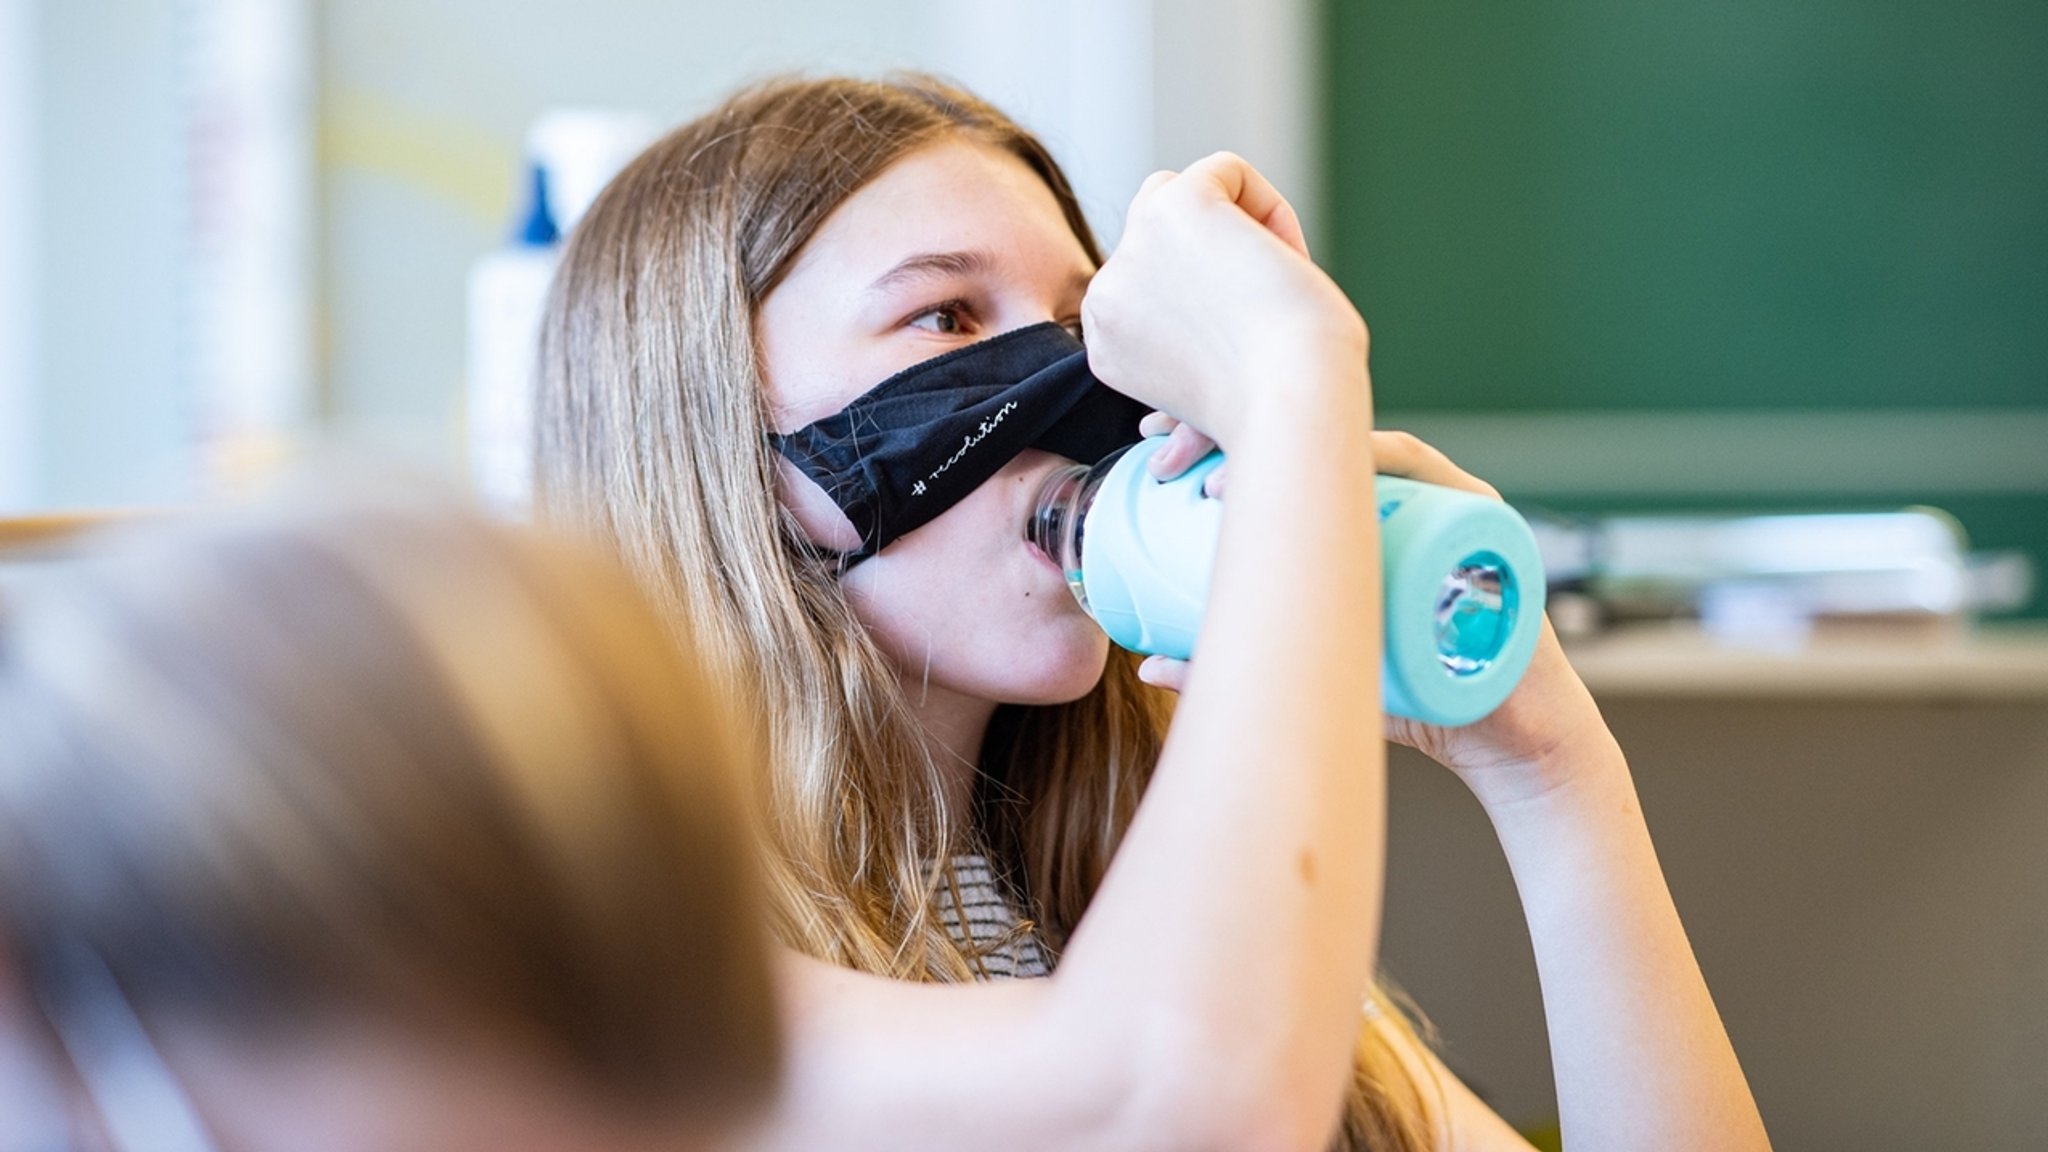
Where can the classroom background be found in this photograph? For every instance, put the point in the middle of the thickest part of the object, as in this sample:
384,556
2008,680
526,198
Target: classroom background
1664,272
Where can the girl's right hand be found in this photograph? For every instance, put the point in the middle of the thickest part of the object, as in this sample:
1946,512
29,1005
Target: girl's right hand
1210,290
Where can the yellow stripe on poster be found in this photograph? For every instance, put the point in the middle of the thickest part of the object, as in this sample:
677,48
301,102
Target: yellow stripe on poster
447,160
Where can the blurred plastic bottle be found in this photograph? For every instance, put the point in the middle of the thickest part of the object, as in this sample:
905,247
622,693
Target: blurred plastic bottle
571,155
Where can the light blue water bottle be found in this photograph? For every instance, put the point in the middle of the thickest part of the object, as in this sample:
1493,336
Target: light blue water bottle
1462,580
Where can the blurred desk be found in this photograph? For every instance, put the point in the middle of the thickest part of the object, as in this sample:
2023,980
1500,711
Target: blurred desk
1857,838
29,544
2005,662
29,535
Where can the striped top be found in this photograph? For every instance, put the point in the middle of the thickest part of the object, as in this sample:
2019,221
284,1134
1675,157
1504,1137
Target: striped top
983,921
1006,951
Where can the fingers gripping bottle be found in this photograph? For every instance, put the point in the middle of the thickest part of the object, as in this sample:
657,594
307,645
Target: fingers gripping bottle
1461,578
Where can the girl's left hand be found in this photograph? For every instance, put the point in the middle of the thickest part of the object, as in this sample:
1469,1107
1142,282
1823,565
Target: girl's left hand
1527,745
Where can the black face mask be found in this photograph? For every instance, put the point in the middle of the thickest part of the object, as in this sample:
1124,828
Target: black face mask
917,443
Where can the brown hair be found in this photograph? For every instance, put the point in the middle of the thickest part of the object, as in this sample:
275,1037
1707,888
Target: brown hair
387,761
652,425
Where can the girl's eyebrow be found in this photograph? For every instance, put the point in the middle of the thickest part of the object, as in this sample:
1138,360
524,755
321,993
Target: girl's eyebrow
933,265
960,263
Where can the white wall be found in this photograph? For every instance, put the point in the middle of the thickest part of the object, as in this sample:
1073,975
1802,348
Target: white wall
1241,76
1119,88
119,365
114,411
18,461
424,104
1079,73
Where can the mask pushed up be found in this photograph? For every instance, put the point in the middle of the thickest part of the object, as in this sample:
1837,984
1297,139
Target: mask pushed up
917,443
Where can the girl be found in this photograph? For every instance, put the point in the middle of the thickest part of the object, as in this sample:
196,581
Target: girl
776,345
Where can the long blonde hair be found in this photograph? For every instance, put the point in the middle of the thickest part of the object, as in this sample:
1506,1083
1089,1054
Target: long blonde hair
388,761
652,422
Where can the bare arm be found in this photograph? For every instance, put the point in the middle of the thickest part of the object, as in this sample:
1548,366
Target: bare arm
1640,1056
1639,1051
1209,1000
1267,814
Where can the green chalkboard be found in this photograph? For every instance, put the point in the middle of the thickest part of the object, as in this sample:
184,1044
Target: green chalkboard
1708,204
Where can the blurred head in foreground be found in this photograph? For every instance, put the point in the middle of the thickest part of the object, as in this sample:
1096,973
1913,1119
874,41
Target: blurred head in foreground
374,826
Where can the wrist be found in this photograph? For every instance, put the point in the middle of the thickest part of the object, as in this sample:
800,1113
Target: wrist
1586,772
1301,396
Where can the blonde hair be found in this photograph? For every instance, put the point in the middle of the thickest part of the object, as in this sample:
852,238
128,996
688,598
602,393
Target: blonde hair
394,763
652,422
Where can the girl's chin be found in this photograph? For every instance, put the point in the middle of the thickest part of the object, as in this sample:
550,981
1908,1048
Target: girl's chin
1060,663
1070,679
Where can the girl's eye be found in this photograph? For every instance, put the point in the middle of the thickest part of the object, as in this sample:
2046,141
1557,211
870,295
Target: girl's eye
948,319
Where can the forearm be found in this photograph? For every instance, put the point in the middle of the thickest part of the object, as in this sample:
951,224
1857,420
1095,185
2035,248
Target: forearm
1640,1054
1249,884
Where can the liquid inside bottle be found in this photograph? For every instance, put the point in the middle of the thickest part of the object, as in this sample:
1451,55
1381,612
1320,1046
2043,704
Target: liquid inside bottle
1061,521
